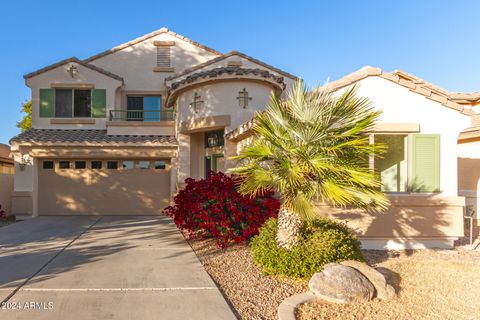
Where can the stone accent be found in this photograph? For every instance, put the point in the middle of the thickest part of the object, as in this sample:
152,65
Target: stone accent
341,284
286,309
383,290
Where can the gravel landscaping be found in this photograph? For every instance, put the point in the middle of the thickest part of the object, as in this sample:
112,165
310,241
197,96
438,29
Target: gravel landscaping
432,284
252,294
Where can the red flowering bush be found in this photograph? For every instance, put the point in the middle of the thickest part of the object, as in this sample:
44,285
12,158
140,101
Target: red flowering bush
212,207
3,214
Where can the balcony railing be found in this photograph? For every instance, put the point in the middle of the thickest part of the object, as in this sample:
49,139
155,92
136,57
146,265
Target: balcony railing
142,115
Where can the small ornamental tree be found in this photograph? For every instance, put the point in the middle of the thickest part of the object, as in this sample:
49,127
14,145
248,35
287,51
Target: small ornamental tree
213,207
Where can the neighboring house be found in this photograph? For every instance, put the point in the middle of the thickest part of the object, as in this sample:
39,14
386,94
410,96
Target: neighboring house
119,132
6,178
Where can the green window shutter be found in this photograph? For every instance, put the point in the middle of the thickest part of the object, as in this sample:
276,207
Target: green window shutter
47,103
425,163
99,103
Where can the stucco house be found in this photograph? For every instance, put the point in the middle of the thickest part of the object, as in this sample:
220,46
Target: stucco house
119,132
6,178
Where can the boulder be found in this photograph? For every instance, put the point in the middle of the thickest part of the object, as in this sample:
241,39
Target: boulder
384,291
341,284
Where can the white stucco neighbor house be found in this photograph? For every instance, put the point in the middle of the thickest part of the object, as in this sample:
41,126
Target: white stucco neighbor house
119,132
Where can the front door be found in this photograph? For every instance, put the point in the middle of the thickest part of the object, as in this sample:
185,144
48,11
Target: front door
215,163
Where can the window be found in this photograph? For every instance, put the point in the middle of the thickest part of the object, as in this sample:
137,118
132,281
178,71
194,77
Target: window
127,164
214,139
112,165
160,165
73,103
411,163
47,164
82,105
144,108
392,165
80,164
96,164
64,164
144,164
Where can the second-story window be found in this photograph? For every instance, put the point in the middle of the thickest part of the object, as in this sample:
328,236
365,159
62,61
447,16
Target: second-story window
144,108
73,103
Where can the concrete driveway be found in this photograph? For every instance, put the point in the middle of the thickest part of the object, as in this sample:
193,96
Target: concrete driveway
103,268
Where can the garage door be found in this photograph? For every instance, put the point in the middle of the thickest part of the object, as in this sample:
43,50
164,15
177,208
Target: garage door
104,187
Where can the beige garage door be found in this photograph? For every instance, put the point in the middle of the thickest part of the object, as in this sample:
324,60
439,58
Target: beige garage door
103,187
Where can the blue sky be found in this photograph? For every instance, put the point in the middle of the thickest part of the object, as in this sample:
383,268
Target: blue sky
316,40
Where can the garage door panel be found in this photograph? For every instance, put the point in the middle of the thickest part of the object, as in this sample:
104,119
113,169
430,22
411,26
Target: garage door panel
115,192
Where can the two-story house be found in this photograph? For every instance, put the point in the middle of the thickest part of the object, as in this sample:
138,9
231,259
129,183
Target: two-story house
119,132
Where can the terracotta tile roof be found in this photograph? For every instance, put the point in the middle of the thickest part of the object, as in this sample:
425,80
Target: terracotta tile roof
404,79
64,137
401,78
469,134
76,60
237,71
242,131
232,53
148,36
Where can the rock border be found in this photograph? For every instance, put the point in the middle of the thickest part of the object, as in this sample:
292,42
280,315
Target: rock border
286,309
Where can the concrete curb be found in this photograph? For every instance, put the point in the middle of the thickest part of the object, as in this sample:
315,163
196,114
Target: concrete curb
286,309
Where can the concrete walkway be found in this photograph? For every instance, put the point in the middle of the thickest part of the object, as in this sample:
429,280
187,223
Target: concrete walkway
103,268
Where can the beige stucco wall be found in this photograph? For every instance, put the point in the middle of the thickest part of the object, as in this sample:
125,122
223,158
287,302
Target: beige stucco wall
60,75
135,63
6,190
221,99
166,128
469,174
409,216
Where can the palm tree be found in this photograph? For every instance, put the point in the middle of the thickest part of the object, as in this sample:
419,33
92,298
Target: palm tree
312,147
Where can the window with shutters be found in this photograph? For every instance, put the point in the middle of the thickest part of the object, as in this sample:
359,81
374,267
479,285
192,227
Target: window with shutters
72,103
411,163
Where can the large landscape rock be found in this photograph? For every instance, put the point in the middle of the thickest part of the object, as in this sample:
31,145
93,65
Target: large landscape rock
341,284
383,290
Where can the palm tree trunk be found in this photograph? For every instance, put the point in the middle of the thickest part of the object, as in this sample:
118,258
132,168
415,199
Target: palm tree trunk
289,225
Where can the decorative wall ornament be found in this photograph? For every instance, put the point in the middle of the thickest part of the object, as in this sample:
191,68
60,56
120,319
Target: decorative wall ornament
196,103
24,161
72,70
243,98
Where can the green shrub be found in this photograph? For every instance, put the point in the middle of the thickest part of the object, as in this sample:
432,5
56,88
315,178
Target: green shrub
321,241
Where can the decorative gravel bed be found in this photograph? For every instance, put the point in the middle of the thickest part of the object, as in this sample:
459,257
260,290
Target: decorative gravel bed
431,284
252,294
